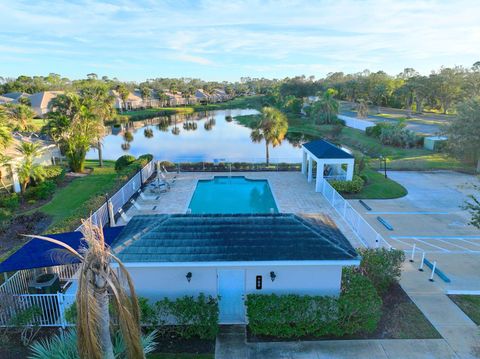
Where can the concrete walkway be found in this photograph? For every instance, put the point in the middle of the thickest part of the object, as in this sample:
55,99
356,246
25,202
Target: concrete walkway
460,333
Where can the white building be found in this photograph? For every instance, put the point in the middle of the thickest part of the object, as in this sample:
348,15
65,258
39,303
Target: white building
231,256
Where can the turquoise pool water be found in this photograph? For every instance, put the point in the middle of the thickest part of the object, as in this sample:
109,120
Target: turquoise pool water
232,195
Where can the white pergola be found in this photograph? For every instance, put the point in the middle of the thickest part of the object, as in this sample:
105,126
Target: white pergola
329,159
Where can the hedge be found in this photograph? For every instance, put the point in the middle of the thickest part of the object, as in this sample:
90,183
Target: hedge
185,317
357,309
43,190
123,162
54,173
353,186
291,316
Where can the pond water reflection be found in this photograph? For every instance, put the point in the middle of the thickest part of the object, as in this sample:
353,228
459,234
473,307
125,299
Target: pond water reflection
201,136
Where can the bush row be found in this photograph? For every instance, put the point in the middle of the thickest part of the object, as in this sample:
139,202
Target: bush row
185,317
357,309
394,135
235,166
353,186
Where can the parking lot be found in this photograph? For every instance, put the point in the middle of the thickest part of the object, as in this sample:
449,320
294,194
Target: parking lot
430,218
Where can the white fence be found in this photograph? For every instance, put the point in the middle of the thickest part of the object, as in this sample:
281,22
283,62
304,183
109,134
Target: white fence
51,307
368,236
356,123
39,310
100,216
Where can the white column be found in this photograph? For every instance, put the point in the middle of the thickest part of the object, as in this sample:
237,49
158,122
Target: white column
111,214
304,161
319,179
310,169
350,166
16,182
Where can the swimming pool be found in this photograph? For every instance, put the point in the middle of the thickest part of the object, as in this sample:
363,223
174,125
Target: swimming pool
232,195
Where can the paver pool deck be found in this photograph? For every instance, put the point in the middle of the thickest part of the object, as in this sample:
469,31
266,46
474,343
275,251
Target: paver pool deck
292,193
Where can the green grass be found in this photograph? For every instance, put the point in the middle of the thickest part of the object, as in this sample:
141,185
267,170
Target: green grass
68,200
379,187
180,356
469,304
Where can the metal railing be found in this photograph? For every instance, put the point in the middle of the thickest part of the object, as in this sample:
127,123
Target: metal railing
100,216
367,235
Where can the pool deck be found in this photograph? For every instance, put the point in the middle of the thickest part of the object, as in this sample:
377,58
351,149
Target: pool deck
292,193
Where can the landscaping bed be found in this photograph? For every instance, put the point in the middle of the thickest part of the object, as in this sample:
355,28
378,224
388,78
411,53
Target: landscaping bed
469,304
174,346
401,319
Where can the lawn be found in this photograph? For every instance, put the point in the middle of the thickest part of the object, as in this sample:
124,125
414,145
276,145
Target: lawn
378,187
469,304
71,200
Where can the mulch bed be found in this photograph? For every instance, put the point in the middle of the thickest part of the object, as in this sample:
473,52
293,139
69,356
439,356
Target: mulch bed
12,348
401,319
173,344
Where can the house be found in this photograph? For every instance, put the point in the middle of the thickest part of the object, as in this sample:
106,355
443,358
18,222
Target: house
15,96
231,256
133,102
202,96
41,101
4,100
176,99
220,95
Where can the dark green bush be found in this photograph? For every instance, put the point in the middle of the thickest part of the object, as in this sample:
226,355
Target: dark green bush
123,162
9,201
292,316
43,190
360,306
147,157
376,130
382,267
54,173
185,317
353,186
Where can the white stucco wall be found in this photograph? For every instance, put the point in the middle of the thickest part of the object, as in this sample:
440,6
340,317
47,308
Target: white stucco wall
158,282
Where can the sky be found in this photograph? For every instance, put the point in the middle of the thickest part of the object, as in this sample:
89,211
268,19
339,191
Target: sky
226,40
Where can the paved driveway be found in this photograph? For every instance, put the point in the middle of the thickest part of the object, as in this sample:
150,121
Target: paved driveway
430,217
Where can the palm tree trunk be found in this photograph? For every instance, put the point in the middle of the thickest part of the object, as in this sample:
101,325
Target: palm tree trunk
478,166
267,153
100,157
101,296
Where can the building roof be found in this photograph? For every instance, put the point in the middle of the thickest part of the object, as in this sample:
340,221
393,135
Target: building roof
39,254
324,149
15,95
230,238
42,99
4,99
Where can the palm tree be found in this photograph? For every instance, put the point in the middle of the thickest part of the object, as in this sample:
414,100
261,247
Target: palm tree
5,130
123,93
325,110
27,170
21,117
272,129
29,150
4,163
97,279
102,108
362,109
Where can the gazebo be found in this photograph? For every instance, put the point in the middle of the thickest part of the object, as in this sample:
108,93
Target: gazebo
329,159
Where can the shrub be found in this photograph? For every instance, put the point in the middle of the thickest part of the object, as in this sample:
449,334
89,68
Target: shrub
292,316
381,266
9,201
123,162
147,157
360,306
185,317
54,173
353,186
42,190
375,131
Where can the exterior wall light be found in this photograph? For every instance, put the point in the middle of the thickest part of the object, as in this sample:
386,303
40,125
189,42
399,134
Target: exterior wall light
189,276
273,275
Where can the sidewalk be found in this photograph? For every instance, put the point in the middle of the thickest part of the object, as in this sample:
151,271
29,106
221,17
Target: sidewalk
461,334
461,337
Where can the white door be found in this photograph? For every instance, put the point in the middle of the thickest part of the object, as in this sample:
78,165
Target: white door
231,289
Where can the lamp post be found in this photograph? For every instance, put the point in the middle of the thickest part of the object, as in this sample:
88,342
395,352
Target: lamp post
384,160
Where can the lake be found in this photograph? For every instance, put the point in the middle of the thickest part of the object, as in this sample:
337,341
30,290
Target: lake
197,137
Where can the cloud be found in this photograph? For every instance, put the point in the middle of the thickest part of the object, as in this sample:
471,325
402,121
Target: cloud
281,36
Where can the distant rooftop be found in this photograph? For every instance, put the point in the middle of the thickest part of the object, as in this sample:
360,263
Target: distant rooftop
324,149
244,237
